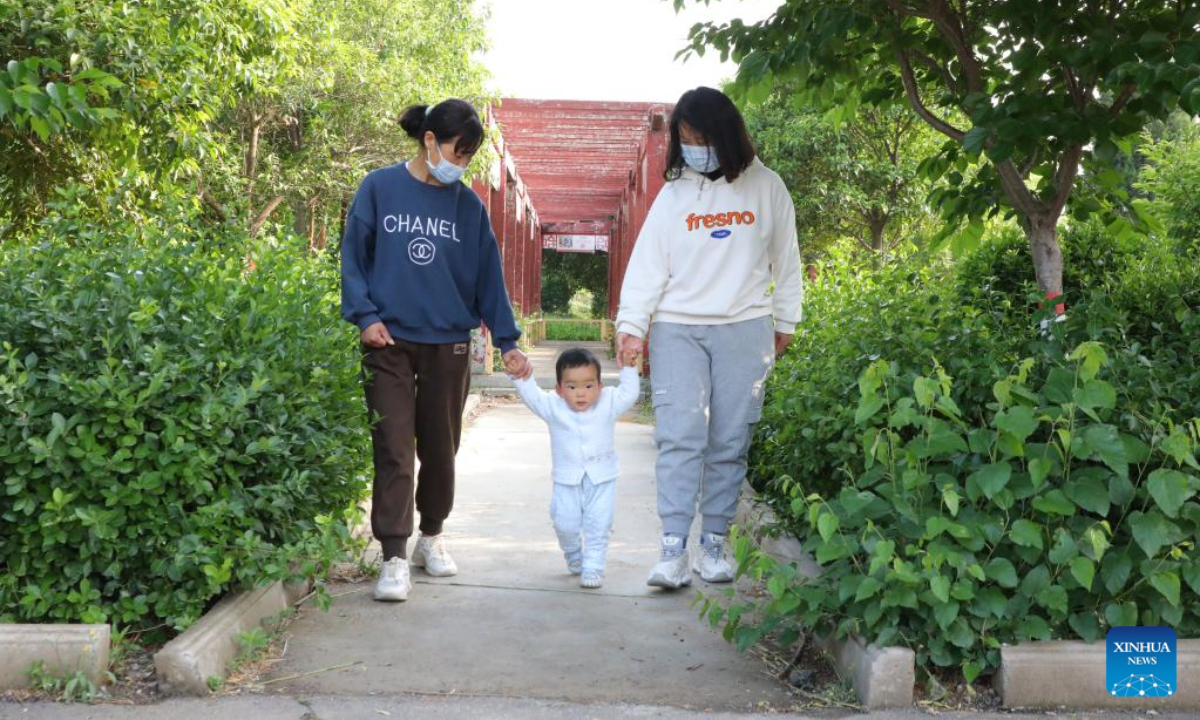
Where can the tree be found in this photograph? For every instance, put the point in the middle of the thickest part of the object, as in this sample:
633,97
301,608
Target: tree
94,91
1050,89
855,178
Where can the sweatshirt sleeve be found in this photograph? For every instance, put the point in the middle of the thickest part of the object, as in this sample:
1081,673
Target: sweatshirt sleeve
358,255
535,398
492,296
785,264
646,275
626,393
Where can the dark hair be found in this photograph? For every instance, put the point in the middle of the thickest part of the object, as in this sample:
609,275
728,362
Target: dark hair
712,114
574,358
447,120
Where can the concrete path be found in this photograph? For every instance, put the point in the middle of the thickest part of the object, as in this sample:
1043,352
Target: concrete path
453,708
514,623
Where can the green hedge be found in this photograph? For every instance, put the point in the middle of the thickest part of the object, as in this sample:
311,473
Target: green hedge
174,421
966,480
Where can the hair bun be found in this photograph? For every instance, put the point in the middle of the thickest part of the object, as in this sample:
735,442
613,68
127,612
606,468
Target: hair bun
413,119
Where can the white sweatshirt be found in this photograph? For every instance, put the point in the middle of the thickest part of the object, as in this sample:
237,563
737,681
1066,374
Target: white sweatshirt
708,252
581,443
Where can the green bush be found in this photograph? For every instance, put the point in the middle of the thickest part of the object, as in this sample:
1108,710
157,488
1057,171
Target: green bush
1059,517
917,489
174,421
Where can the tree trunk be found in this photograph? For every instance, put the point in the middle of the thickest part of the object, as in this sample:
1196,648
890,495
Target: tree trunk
301,222
1042,232
264,215
880,250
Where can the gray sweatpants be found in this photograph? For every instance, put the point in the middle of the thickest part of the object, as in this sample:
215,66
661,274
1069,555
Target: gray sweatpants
707,383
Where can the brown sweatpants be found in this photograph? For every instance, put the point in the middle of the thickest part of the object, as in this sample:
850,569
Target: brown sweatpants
415,394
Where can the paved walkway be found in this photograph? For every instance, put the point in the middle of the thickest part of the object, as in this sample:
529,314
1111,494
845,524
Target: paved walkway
514,623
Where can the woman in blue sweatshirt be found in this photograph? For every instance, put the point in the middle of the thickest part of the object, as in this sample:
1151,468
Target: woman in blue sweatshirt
420,269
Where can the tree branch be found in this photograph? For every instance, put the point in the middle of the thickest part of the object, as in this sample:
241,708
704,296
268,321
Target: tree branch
946,19
266,213
1014,186
213,205
1123,99
1064,177
914,97
1077,95
1033,158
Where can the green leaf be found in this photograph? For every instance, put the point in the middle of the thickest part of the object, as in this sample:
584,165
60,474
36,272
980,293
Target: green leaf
1097,541
975,138
950,497
1089,494
1114,571
1170,490
1106,442
1002,572
1018,422
1151,531
1096,394
867,589
1035,581
867,409
1054,503
945,613
1121,614
827,525
971,670
992,478
1039,469
1167,583
1064,547
1084,571
940,586
1026,534
1033,627
1054,598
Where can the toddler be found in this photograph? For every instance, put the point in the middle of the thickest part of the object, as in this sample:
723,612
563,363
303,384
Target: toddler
581,414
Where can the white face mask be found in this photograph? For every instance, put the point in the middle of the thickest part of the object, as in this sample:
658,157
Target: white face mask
445,172
701,158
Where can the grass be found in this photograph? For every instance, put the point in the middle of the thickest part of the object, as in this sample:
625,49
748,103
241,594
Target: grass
573,330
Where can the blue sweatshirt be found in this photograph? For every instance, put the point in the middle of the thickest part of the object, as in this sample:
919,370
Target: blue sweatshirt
423,260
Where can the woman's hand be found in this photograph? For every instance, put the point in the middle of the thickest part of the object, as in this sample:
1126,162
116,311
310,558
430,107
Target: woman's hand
628,349
782,341
376,336
517,365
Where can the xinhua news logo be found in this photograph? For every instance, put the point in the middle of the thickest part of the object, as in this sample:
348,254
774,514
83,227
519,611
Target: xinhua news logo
1141,662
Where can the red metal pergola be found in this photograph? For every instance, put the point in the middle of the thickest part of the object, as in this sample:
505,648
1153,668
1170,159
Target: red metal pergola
571,166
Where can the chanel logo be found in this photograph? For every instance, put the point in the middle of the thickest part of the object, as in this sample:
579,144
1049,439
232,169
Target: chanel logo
421,251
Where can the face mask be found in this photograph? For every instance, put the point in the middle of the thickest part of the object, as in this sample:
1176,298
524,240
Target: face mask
445,172
700,158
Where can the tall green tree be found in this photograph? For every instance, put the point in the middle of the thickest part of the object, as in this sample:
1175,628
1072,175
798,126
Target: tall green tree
1049,89
92,91
855,177
303,143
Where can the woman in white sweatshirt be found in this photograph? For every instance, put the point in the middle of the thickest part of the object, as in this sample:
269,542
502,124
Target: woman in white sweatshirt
699,284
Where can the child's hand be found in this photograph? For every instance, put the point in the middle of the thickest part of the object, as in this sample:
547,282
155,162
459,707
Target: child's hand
517,365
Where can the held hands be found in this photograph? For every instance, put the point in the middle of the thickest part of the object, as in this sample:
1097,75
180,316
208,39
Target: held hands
517,365
376,336
781,343
628,349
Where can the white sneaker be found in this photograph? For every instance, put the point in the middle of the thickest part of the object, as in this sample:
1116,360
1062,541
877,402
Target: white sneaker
711,563
430,553
672,569
393,584
591,579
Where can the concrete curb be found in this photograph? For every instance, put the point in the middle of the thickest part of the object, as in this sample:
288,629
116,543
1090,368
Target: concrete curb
882,677
1071,673
207,648
64,649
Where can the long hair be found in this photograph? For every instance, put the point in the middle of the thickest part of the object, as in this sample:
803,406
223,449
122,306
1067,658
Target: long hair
712,114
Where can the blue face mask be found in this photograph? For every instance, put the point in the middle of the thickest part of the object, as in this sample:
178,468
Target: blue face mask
445,172
701,158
